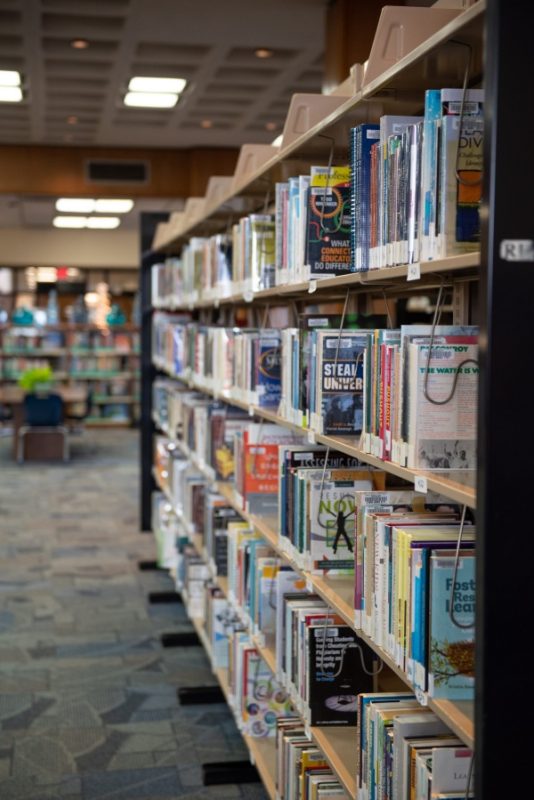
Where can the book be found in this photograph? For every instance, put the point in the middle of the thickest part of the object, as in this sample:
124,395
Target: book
335,675
452,657
339,385
460,185
328,222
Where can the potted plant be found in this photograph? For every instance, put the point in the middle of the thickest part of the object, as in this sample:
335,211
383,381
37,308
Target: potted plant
37,380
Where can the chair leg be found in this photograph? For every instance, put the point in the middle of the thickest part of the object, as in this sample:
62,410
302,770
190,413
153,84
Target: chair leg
21,436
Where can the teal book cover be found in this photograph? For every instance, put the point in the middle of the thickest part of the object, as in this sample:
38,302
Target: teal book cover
452,648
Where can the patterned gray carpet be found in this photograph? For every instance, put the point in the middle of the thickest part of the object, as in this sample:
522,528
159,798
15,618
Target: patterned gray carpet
88,703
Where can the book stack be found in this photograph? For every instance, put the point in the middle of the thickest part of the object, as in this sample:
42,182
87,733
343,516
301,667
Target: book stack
301,768
406,752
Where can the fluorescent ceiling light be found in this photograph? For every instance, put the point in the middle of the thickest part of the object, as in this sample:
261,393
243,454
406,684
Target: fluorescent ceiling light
80,205
113,206
172,85
103,222
69,222
10,94
9,77
150,100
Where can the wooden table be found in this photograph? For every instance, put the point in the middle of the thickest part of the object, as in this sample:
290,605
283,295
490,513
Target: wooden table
14,396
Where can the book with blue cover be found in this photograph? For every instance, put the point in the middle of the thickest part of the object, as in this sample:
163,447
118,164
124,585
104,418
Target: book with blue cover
267,362
340,381
452,648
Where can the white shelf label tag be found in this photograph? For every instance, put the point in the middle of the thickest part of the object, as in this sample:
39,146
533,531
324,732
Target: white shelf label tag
420,484
309,585
414,272
312,287
248,296
251,411
311,437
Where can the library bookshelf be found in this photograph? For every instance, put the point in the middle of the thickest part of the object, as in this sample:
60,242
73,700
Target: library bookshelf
104,361
498,287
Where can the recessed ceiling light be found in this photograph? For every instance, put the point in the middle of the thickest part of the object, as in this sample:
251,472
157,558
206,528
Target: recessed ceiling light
150,100
263,52
165,85
271,126
80,44
80,205
72,120
9,77
113,206
69,222
106,223
206,123
10,94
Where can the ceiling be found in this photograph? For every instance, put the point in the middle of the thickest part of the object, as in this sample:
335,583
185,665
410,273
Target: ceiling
38,212
211,43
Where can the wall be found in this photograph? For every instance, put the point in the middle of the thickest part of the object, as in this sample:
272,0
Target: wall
24,247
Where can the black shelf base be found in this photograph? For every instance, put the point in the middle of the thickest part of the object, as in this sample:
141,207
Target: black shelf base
199,695
222,772
183,639
164,597
150,566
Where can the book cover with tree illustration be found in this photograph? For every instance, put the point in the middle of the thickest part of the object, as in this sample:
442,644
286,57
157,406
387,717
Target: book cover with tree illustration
452,648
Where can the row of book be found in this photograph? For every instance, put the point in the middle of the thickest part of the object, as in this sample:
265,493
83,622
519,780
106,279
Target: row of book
414,587
402,750
410,394
302,772
411,191
407,753
321,664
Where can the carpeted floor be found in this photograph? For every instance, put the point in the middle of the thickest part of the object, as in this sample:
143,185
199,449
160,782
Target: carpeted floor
88,703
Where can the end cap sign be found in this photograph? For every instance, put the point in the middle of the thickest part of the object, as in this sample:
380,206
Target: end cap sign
517,250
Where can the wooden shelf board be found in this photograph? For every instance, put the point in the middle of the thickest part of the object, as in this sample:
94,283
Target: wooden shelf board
37,353
340,747
459,715
119,398
266,651
94,422
466,262
263,752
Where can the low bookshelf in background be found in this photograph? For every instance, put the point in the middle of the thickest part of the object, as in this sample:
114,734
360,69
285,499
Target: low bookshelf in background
103,361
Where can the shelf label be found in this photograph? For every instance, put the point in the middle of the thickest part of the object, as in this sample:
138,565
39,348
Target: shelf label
517,250
312,287
309,585
311,437
248,296
414,272
251,411
420,484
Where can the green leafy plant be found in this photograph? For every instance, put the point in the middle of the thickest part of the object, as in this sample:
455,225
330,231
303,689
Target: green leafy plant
33,378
